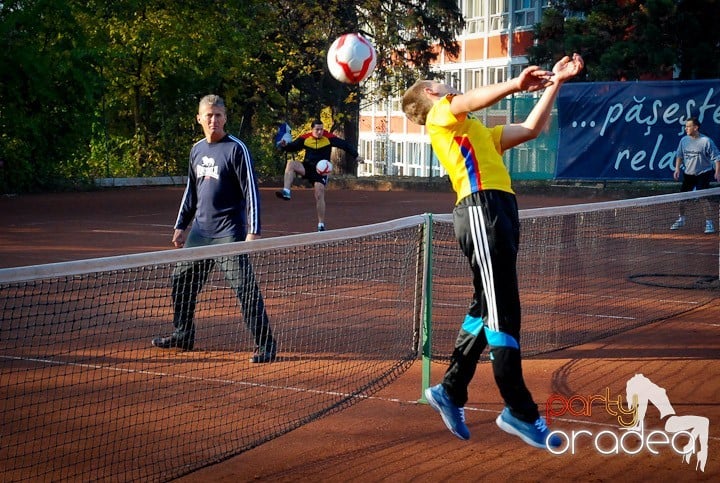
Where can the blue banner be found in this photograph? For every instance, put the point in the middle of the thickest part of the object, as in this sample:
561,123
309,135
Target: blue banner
630,130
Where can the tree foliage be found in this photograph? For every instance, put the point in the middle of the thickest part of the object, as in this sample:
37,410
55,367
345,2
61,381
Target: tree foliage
94,88
633,39
45,94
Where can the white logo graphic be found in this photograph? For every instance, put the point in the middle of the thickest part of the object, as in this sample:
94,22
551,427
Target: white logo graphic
639,391
207,169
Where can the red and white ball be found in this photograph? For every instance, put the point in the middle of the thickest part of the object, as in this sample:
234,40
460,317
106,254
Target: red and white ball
324,167
351,58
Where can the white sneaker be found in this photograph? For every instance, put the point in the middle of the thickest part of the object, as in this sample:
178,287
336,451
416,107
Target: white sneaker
679,223
709,227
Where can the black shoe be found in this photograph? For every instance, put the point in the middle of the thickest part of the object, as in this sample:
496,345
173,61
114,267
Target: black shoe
262,356
174,341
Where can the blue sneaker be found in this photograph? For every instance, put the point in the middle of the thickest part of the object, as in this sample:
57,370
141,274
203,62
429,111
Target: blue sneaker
452,415
283,194
535,434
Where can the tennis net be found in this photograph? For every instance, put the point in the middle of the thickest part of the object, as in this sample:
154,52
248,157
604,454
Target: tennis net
85,397
589,271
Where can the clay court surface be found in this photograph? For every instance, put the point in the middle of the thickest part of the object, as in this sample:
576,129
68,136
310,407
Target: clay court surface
390,437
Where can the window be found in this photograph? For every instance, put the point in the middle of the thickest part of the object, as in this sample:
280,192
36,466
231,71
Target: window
452,78
498,14
378,104
474,78
437,169
415,156
380,156
515,69
524,13
497,74
365,149
474,13
396,104
399,153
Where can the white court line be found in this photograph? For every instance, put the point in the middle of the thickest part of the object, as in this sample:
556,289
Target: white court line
179,376
80,220
581,314
285,388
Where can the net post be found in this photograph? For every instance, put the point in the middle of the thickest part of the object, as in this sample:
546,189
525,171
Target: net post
426,330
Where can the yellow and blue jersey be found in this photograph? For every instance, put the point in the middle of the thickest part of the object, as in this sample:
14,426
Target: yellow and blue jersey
468,150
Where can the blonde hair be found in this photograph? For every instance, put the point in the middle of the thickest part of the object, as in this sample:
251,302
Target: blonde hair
415,104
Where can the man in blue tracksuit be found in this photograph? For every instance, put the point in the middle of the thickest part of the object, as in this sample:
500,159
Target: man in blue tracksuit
222,202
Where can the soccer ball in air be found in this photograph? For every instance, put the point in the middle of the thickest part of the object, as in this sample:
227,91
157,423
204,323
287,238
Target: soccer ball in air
351,58
323,167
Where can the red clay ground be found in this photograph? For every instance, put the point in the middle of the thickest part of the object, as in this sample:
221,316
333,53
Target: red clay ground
60,227
390,437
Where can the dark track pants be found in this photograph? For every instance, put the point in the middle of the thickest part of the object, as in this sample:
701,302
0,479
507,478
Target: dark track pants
188,279
487,228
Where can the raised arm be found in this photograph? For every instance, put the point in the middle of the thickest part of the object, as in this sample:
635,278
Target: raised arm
531,79
514,134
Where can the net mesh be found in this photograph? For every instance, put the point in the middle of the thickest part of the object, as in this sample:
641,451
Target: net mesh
85,397
594,270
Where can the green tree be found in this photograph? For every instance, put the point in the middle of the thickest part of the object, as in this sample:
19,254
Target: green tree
46,92
698,39
633,40
94,88
160,58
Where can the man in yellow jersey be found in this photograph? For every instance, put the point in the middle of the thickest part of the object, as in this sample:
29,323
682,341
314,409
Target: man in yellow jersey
487,228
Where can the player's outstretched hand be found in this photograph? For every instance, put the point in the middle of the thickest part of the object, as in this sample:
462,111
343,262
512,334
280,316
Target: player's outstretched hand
534,78
567,67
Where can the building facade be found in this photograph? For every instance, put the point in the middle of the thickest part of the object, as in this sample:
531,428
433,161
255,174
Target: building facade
493,45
